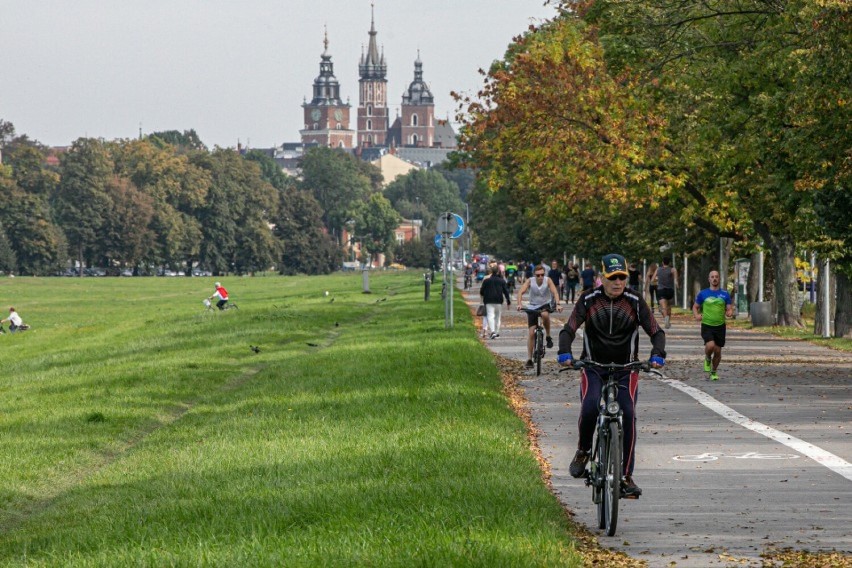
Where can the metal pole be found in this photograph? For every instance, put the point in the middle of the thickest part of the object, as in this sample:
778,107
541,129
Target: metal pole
812,271
826,301
685,270
644,276
760,276
451,284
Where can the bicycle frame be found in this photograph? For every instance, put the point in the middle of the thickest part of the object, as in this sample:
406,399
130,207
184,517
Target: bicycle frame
538,340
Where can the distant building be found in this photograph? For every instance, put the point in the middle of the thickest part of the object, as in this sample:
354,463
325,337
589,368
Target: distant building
327,116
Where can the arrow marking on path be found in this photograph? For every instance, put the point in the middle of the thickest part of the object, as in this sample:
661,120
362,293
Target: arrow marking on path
822,457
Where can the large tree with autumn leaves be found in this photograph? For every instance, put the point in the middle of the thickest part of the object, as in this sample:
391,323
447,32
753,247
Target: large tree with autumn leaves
624,121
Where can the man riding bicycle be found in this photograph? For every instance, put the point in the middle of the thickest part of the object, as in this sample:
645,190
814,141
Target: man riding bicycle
221,296
543,296
612,316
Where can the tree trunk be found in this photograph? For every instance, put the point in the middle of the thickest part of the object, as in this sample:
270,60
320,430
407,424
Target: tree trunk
819,308
752,292
786,288
843,309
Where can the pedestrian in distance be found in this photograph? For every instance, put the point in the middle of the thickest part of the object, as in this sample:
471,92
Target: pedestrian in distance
493,290
651,284
711,307
220,294
634,280
555,276
612,316
543,296
666,282
588,277
572,280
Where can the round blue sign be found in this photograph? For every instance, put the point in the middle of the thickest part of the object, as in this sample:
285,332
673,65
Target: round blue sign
460,229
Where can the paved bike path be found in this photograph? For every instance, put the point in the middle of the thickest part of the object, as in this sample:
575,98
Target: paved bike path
742,492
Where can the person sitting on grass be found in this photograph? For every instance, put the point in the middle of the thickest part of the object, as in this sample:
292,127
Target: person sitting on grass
14,320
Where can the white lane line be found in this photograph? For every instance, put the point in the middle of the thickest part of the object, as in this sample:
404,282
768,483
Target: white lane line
829,460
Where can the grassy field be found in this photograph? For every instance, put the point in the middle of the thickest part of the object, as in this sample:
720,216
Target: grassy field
139,429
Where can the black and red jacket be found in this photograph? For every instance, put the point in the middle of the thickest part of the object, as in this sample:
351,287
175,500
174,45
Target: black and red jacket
612,327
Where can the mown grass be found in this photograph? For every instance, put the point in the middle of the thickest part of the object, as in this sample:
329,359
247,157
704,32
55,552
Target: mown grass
141,430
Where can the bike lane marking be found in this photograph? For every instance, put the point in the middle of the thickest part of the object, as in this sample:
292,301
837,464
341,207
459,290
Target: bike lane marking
822,457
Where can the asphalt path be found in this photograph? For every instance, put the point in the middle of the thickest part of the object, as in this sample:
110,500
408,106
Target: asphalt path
760,459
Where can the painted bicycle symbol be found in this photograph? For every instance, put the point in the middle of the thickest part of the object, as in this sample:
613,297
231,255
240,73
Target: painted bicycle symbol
745,456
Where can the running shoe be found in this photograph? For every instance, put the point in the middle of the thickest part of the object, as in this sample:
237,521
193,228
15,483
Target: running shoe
549,342
529,364
629,490
708,366
578,464
714,376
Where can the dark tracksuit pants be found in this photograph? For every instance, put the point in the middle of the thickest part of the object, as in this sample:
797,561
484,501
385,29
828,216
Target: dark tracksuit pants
591,384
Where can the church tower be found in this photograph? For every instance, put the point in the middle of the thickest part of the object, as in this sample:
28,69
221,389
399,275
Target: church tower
373,93
417,123
326,116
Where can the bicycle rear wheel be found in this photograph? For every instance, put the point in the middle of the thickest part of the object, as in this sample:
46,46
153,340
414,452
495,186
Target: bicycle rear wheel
612,485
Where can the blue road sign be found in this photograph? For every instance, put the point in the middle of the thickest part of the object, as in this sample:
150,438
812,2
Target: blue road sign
438,240
460,229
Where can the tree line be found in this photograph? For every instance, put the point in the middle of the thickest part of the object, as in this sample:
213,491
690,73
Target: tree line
695,126
167,201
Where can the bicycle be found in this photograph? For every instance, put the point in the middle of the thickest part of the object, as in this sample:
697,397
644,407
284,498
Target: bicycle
468,281
605,464
538,343
229,305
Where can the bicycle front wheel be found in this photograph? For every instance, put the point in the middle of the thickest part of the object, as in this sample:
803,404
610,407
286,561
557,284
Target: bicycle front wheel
539,349
612,486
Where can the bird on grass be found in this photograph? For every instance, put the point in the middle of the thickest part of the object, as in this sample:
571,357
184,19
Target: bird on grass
331,301
254,348
312,344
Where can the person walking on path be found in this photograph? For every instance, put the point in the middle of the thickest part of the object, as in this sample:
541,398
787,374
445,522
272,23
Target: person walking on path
612,316
544,297
711,307
572,280
634,279
666,281
493,290
555,275
651,284
588,278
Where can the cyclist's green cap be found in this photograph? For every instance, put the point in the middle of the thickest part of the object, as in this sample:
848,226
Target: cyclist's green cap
613,264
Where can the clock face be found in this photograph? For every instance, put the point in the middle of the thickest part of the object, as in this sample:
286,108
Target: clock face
315,114
338,114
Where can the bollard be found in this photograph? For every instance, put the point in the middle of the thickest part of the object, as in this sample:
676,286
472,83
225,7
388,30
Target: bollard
426,285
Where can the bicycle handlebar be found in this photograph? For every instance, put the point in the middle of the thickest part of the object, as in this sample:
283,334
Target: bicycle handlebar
643,366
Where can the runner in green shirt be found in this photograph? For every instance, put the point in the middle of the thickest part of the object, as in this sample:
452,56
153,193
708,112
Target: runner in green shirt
711,307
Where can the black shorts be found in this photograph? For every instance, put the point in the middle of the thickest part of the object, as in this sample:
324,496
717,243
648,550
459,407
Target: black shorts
532,319
665,293
714,333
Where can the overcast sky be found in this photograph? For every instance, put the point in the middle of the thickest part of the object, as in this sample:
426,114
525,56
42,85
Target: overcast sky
232,70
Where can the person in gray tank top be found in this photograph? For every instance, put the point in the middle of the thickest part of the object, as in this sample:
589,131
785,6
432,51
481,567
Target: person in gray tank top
666,283
543,296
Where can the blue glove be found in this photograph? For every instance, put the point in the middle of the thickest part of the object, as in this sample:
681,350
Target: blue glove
656,360
564,359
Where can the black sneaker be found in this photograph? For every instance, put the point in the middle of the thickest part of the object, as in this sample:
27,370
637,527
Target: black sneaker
549,342
578,464
629,490
529,364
